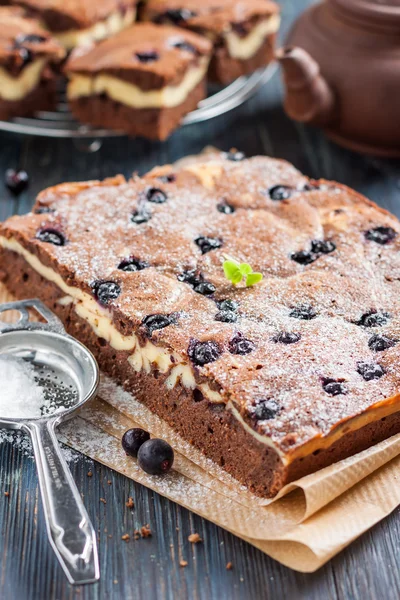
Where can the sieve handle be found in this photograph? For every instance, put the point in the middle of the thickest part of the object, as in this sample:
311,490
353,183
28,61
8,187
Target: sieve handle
52,323
70,531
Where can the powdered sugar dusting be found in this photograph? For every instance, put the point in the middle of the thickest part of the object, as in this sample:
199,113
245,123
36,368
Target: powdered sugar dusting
29,391
20,395
356,277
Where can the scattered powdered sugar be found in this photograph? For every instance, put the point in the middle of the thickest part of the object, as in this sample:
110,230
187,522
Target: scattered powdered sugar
20,395
22,442
19,440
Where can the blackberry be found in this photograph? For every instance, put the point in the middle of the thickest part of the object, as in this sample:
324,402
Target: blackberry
206,244
156,195
322,246
241,345
266,410
106,291
133,439
370,371
333,387
131,265
51,236
374,319
280,192
202,353
303,257
303,311
147,56
16,181
155,457
379,343
225,208
287,337
154,322
381,235
226,316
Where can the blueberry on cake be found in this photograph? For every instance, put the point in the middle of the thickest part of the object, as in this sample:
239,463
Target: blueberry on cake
272,381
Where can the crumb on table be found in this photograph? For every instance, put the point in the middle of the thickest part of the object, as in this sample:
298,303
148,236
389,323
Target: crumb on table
130,503
145,531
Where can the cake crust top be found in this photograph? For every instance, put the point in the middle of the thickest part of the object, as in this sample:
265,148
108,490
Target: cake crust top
312,345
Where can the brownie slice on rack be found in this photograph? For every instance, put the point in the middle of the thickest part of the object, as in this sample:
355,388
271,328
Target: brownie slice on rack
27,56
243,31
141,81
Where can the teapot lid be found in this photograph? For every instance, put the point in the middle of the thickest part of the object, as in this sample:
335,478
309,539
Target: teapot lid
373,13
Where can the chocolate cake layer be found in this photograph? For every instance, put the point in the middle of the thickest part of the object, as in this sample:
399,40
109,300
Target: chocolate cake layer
243,32
42,97
272,381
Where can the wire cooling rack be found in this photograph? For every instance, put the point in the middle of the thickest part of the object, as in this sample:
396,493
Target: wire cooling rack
61,124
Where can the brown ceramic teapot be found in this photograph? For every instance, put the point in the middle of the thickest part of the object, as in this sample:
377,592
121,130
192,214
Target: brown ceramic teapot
341,70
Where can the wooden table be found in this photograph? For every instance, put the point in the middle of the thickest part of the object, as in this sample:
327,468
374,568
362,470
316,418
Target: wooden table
149,568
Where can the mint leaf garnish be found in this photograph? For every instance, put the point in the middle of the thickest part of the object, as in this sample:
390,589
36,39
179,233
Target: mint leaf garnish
245,269
231,269
253,278
235,272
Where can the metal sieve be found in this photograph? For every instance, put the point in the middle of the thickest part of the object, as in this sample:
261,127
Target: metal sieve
68,375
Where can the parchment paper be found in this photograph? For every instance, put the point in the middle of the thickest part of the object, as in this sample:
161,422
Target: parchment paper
310,521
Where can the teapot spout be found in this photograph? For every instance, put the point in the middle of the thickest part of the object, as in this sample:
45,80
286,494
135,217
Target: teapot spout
309,98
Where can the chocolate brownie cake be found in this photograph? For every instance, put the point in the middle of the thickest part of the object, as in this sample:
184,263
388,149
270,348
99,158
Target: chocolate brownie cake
77,22
271,381
243,32
141,81
27,53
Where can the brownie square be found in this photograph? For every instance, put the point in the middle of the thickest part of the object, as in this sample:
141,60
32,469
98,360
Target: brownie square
27,55
141,81
243,31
